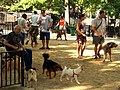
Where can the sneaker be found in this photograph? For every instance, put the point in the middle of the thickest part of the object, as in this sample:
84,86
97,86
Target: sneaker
96,57
41,48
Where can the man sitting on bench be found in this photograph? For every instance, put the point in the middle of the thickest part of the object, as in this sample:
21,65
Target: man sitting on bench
12,43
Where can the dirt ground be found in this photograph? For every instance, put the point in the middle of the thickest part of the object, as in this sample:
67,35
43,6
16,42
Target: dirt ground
96,75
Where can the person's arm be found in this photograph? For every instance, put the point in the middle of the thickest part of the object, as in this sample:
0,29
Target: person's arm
77,29
25,26
6,43
94,28
57,25
50,20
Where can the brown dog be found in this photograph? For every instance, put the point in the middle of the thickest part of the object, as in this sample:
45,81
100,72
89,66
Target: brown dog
50,65
107,49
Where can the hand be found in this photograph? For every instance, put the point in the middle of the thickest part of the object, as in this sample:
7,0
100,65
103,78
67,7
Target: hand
16,48
84,35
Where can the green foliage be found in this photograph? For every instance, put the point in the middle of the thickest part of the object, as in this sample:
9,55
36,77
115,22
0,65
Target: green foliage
29,5
85,6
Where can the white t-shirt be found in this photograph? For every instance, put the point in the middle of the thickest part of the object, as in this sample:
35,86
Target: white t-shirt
101,29
34,19
44,25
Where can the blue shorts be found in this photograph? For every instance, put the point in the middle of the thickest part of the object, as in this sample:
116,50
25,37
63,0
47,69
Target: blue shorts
44,35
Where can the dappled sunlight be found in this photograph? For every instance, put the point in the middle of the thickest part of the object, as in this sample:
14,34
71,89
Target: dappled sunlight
111,65
72,53
78,88
117,51
111,85
106,69
117,62
63,46
90,46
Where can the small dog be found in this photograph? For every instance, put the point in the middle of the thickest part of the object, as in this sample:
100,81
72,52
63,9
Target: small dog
59,36
31,78
50,65
71,72
107,49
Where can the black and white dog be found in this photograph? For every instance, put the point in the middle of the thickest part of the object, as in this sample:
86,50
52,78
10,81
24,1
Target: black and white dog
31,78
71,72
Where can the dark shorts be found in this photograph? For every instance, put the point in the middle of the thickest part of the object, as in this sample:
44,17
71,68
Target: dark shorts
81,38
98,40
44,35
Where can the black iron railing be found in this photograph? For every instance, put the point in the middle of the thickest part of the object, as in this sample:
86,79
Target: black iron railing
11,69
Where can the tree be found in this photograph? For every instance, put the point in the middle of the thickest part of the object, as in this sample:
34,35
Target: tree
8,2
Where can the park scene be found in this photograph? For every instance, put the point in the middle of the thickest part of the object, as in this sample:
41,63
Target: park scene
63,30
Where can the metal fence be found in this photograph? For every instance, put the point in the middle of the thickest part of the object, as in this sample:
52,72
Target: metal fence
6,28
11,69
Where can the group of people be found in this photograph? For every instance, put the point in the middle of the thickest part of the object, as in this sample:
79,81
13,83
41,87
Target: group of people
15,40
99,33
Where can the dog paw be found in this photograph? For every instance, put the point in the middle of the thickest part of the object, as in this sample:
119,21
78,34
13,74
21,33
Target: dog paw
78,82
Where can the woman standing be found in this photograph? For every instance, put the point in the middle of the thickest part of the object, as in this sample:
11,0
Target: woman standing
62,27
80,36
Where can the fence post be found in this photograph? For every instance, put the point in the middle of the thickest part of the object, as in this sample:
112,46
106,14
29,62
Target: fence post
22,68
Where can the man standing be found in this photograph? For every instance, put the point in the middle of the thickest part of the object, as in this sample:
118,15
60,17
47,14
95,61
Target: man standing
34,27
45,25
98,26
22,22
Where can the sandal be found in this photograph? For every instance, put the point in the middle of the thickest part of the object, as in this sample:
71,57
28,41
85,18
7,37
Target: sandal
42,48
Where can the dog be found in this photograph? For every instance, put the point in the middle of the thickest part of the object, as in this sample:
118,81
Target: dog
107,49
31,78
71,72
50,65
59,36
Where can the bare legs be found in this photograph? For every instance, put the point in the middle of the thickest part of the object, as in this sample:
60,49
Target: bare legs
80,48
47,43
97,51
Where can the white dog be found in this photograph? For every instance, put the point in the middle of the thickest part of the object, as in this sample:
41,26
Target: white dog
31,78
71,72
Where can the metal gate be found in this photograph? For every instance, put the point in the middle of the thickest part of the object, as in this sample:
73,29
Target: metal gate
11,69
